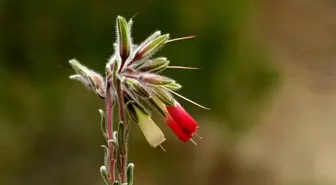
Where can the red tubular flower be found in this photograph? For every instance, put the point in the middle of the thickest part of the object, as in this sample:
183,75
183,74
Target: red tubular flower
180,133
178,119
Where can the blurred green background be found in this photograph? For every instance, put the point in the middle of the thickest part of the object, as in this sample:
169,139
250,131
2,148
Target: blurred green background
266,71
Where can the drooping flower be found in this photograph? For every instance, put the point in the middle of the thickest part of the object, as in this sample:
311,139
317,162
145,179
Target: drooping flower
178,120
186,123
151,131
179,132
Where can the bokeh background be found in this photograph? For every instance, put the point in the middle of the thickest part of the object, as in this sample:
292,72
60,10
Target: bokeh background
267,71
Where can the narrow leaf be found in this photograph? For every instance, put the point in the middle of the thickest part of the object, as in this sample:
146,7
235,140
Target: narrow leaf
121,137
130,170
103,123
104,175
106,155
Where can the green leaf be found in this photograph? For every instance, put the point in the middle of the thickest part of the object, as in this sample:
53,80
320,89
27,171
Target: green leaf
103,124
130,169
121,137
106,155
104,175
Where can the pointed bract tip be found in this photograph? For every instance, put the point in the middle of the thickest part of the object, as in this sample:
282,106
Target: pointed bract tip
183,67
135,15
186,99
181,38
73,61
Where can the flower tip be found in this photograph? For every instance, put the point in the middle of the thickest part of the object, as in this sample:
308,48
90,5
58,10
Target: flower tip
197,135
151,131
193,142
74,77
181,38
163,148
166,36
119,17
73,61
159,143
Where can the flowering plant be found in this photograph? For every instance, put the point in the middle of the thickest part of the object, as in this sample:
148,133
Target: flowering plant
132,82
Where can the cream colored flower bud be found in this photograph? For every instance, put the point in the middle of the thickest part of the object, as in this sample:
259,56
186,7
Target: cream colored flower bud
152,132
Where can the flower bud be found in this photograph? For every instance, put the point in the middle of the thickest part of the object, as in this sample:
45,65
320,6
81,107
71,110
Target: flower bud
137,87
151,131
164,96
151,47
88,77
80,78
79,68
154,79
173,86
124,37
97,84
155,65
149,40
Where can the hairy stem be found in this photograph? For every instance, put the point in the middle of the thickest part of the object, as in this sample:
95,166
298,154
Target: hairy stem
109,120
123,147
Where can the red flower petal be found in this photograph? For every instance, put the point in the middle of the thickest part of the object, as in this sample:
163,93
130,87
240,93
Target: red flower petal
181,116
179,132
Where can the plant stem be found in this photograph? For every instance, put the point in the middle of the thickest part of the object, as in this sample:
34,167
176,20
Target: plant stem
123,147
109,119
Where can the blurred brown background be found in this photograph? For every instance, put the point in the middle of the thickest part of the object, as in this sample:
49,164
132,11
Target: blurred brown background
267,71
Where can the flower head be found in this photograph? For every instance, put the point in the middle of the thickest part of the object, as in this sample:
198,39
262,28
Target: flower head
133,73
